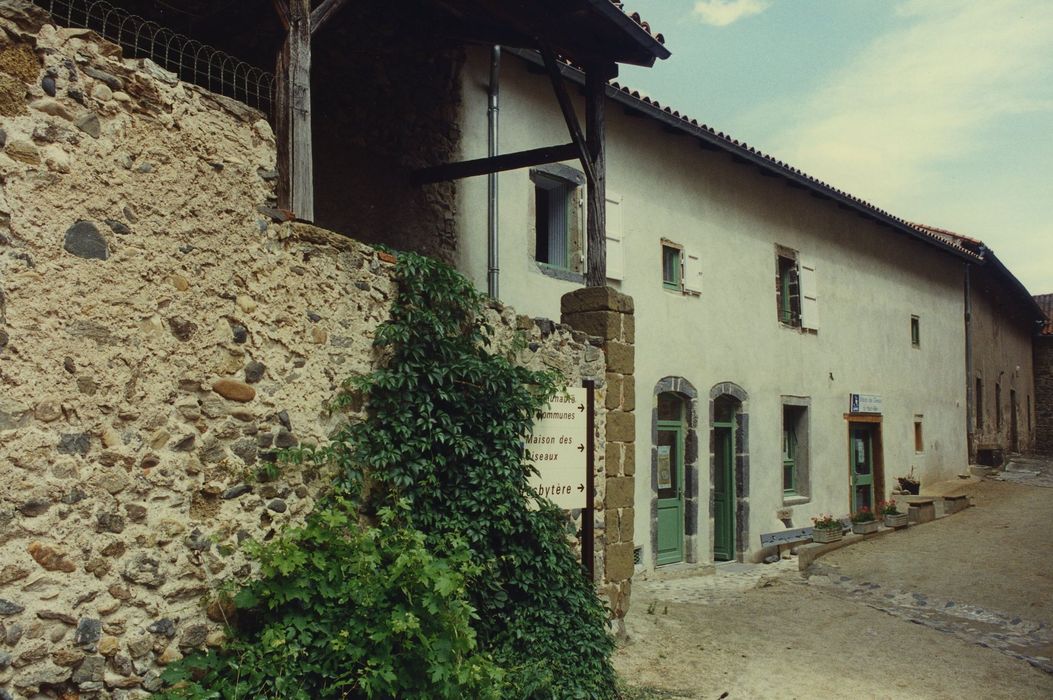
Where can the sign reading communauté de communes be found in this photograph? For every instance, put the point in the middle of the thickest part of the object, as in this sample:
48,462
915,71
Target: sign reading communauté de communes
556,448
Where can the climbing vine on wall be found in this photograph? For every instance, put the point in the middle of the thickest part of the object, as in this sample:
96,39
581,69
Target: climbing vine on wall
431,570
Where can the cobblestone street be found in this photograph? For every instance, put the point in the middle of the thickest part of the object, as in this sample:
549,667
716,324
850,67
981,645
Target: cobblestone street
962,607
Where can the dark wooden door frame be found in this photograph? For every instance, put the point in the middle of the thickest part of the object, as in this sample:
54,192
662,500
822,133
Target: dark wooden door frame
877,445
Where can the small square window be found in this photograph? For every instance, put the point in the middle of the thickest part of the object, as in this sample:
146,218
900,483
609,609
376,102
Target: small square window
919,439
915,331
671,267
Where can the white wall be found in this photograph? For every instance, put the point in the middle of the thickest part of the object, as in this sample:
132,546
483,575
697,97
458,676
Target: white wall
870,281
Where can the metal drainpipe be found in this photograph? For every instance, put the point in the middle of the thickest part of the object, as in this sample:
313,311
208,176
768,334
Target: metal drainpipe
970,399
491,184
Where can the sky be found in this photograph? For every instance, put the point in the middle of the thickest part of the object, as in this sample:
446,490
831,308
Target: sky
938,111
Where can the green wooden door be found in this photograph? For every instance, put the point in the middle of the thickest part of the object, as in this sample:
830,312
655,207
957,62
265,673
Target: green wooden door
670,446
861,453
724,491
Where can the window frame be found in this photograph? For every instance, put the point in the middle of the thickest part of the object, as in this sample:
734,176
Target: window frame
788,287
676,284
554,177
789,460
796,418
919,434
915,331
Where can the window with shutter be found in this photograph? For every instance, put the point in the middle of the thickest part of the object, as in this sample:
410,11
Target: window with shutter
671,266
557,221
787,288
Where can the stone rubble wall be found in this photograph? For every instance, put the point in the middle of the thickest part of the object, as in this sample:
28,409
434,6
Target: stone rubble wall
1043,353
159,339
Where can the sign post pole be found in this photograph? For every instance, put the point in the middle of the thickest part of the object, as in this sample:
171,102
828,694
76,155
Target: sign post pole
588,515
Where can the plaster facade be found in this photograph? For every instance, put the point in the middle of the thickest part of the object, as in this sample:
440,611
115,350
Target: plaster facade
1002,385
730,223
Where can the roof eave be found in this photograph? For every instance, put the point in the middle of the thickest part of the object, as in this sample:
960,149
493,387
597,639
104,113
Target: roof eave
1028,300
819,189
651,47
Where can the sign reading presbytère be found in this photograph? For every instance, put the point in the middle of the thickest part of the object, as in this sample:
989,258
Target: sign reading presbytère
864,403
556,448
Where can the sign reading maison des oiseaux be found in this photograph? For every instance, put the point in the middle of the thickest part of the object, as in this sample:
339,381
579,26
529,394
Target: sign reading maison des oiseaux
556,448
864,403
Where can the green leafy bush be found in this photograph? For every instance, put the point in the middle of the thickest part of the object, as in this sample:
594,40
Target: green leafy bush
447,419
476,592
345,610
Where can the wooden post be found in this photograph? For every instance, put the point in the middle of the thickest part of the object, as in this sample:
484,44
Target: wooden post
292,111
596,77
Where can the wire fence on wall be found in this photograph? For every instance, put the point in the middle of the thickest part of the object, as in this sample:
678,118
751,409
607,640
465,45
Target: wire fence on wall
193,61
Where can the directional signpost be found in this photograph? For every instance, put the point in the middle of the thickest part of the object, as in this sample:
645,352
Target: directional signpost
558,449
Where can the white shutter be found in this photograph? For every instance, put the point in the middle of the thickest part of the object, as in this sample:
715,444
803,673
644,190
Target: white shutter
615,238
809,295
692,273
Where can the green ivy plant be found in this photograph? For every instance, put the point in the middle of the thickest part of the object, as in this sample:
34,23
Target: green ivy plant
432,570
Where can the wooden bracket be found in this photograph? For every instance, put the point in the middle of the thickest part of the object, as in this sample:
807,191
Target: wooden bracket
567,107
324,12
505,161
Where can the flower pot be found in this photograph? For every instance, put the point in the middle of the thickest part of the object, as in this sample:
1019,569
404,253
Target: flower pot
823,535
897,520
865,528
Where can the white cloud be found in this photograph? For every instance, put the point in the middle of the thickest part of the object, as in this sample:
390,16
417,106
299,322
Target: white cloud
923,95
721,13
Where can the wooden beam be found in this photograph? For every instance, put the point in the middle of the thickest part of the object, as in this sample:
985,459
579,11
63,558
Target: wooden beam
293,111
281,7
567,107
596,78
324,12
505,161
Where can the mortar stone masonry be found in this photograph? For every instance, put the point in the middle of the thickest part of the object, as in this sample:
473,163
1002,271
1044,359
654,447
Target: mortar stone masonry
160,338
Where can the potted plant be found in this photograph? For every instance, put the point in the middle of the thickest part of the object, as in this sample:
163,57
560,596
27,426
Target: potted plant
826,528
909,483
864,522
893,518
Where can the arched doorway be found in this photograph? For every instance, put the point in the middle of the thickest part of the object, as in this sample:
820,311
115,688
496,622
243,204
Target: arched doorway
674,472
729,471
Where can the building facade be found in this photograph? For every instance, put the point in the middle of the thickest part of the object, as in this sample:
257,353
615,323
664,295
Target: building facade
793,355
1001,320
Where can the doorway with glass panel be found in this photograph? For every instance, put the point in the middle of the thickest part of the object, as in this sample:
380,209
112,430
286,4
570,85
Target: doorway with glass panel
669,474
866,475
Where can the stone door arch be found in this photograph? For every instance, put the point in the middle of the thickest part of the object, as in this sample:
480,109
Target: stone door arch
684,390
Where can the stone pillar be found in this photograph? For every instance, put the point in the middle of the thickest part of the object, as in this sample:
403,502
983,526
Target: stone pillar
608,314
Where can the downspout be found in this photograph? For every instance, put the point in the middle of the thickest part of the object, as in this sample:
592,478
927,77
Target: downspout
970,399
492,268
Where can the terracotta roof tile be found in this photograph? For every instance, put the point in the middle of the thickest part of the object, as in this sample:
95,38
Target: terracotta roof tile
635,16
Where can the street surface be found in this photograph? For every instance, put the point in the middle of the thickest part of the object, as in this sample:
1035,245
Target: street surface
958,608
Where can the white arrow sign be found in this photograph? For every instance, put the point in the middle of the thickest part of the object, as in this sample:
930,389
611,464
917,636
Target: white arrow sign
556,448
